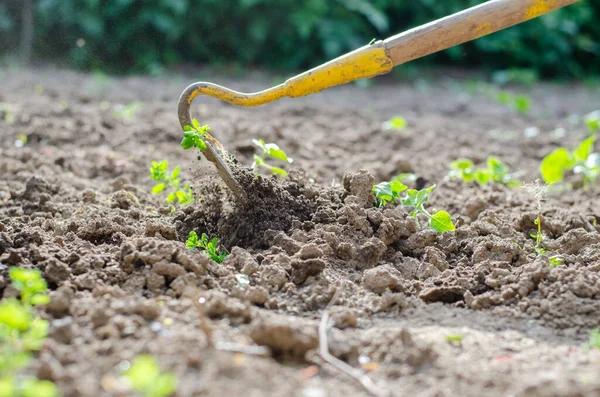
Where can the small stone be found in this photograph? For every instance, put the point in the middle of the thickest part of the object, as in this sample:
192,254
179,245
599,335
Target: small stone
382,278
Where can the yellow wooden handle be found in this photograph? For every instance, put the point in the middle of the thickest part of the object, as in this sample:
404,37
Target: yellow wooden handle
369,61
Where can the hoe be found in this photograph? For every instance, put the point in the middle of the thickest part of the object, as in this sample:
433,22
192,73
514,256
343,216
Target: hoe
376,58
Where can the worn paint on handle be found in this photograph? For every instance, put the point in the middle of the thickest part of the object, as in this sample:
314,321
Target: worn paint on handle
540,7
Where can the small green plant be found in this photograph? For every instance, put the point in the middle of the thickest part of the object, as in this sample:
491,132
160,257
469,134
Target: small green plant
395,123
194,135
454,339
594,339
556,260
388,191
440,221
209,247
521,103
145,377
592,121
159,173
495,171
23,332
582,160
269,151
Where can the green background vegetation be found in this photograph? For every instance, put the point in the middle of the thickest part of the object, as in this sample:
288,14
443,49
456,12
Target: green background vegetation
147,35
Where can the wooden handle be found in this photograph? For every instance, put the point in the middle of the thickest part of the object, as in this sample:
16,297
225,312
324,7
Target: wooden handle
466,25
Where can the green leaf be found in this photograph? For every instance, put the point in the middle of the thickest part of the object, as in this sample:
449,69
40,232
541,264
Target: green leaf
261,144
187,142
142,373
40,299
397,187
158,188
187,128
554,165
396,123
584,149
462,164
15,315
441,222
7,386
522,103
497,168
192,240
32,387
171,198
164,385
175,173
278,171
482,176
277,153
200,144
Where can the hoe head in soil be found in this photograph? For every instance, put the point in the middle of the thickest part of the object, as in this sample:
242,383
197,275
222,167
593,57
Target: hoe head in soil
376,58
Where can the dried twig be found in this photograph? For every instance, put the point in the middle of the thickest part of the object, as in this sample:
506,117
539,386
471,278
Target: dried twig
357,374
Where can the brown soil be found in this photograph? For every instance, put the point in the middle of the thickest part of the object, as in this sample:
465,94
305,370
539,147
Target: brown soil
76,204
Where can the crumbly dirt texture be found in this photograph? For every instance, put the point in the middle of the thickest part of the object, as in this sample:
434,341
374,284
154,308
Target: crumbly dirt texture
75,203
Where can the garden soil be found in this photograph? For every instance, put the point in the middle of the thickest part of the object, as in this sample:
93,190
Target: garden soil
468,313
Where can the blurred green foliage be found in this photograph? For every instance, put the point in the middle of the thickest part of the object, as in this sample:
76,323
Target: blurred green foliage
146,35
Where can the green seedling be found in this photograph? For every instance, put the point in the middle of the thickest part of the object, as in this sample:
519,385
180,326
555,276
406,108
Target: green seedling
269,151
145,377
556,260
395,123
454,339
521,103
582,160
159,173
23,332
592,121
127,112
594,339
194,135
495,171
440,221
209,247
388,191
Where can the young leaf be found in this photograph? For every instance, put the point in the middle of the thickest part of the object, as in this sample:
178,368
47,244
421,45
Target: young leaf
553,166
395,123
441,222
482,176
583,151
158,188
192,240
462,164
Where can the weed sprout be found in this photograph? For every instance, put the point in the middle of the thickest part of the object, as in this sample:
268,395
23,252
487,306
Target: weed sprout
270,151
159,173
209,247
386,192
145,377
23,332
582,161
495,171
